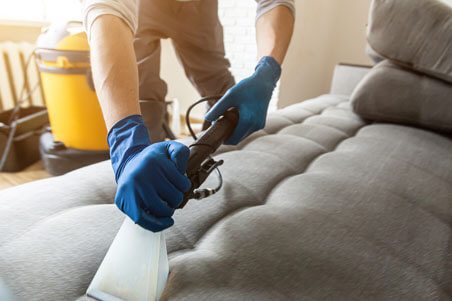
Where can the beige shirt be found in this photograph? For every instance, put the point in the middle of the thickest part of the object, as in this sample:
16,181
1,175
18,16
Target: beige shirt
127,10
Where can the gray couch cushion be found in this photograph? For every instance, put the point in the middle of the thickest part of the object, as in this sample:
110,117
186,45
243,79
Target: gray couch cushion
318,205
416,33
393,94
49,261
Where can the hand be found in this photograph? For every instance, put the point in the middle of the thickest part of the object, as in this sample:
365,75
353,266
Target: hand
151,180
251,97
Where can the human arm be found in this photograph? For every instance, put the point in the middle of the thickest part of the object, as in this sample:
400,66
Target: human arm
274,31
274,28
114,68
150,177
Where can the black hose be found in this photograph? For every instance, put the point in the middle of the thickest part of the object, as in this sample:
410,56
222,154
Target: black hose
187,115
205,192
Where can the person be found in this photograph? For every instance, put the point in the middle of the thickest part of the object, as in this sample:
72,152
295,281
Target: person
124,37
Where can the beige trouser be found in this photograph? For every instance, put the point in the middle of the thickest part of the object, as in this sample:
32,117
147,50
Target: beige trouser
197,36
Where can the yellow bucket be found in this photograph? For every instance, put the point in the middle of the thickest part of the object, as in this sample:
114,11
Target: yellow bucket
62,56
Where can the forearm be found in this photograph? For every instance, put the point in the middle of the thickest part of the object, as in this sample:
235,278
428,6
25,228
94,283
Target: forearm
114,68
273,33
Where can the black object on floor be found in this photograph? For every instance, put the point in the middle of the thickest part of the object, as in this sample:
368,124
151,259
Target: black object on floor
19,136
58,159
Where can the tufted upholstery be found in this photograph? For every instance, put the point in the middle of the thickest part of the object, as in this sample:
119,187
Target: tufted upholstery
318,205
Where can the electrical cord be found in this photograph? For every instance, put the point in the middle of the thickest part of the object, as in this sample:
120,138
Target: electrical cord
190,108
199,194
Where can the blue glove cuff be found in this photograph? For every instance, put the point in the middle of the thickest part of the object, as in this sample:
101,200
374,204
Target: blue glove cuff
126,138
270,67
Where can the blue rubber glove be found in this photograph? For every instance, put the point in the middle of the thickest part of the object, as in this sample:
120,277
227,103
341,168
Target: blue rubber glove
151,180
251,97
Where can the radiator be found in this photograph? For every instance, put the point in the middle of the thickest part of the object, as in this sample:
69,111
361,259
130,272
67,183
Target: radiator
14,78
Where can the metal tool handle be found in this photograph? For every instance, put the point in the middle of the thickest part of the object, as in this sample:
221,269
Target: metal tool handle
206,145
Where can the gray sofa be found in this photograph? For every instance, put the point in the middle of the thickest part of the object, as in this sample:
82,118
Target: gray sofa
320,205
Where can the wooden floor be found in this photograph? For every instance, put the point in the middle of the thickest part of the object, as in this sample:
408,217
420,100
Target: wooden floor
32,173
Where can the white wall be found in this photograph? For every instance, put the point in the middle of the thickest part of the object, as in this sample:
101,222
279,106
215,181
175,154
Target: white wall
15,31
326,33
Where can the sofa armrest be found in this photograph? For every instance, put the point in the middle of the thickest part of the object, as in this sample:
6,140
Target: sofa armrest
346,77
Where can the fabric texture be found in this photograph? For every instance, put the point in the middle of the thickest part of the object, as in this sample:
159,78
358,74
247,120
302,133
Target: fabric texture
415,33
347,77
154,113
420,100
318,205
124,9
199,48
127,9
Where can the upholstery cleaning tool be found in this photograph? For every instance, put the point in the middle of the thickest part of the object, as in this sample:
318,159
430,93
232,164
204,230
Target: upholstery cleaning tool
5,293
136,265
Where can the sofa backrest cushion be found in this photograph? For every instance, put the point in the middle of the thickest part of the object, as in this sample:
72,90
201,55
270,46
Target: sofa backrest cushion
414,33
390,93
